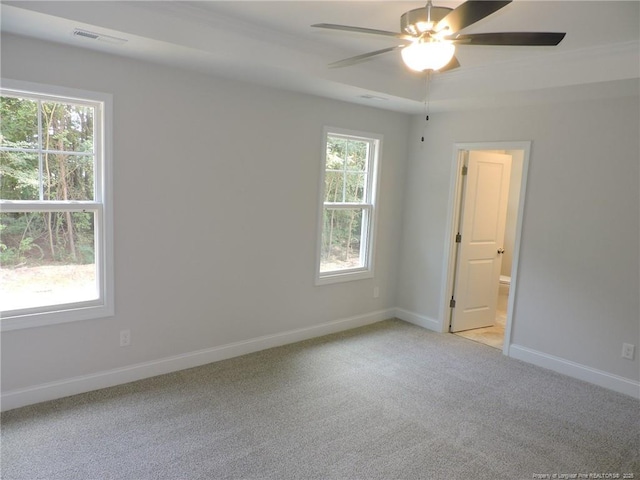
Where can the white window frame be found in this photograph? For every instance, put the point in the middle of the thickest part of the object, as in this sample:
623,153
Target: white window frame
367,246
101,206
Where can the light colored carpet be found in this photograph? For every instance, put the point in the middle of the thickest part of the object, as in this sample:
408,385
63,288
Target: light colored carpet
388,401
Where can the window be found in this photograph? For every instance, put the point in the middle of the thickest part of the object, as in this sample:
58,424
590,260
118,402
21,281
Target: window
55,215
345,246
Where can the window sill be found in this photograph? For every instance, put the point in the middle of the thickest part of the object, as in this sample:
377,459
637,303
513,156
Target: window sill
343,276
71,312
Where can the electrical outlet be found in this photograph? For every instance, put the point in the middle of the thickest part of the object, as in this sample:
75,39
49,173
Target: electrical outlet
125,338
376,292
628,351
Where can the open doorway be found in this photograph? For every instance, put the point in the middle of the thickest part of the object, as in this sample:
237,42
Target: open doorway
481,254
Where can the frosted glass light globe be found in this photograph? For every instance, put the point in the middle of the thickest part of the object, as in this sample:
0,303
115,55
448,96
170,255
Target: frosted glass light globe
421,56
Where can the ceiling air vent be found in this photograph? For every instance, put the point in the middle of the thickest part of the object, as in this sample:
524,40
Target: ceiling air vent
98,36
366,96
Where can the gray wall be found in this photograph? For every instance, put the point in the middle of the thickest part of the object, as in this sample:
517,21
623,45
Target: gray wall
247,159
578,285
216,191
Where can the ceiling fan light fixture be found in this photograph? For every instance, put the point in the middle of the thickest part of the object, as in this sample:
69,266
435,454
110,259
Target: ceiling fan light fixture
420,20
421,56
424,26
434,32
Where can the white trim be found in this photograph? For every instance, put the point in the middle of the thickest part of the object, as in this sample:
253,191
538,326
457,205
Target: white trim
18,206
623,53
452,217
419,320
86,383
515,258
44,91
576,370
367,248
102,206
344,276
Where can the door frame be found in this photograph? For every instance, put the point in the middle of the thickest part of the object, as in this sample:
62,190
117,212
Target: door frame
453,217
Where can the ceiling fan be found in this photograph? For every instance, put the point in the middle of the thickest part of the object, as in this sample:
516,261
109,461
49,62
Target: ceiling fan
431,35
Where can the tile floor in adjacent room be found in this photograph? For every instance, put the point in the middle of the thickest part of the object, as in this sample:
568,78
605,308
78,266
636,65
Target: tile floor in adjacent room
492,336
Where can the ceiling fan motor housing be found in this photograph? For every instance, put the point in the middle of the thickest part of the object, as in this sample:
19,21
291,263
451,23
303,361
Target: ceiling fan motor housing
415,22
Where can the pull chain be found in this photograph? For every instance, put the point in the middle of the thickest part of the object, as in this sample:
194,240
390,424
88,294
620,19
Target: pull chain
426,102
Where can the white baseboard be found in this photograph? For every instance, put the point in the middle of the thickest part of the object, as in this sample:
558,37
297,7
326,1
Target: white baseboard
417,319
86,383
576,370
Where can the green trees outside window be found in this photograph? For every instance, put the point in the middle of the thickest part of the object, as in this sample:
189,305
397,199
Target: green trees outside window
47,154
47,173
347,203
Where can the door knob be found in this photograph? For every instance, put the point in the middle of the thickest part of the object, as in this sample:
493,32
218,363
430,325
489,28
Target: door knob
501,251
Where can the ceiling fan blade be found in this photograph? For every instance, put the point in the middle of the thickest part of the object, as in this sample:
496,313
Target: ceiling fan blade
510,38
469,13
362,58
371,31
454,63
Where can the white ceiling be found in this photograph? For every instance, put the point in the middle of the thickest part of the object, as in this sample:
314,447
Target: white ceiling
272,43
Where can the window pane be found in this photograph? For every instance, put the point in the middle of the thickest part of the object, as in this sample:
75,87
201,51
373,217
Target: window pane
19,176
333,186
18,122
347,154
341,239
68,177
334,162
357,155
67,127
46,259
336,152
355,191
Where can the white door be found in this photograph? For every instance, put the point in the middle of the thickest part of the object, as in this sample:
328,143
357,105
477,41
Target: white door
482,223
